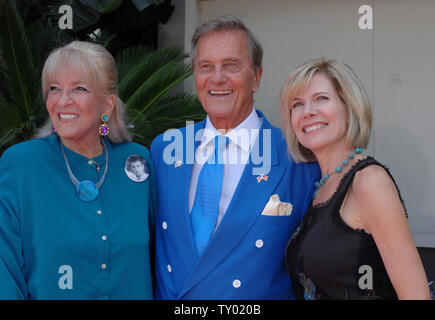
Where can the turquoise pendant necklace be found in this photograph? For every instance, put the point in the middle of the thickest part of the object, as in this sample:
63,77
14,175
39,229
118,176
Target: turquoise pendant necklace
338,169
86,190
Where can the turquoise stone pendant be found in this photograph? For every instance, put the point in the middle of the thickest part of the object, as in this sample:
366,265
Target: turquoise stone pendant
87,191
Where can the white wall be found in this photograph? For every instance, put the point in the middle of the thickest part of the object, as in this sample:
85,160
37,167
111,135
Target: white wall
405,107
172,33
394,61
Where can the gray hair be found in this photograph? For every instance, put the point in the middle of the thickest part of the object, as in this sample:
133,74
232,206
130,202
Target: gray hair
229,23
98,65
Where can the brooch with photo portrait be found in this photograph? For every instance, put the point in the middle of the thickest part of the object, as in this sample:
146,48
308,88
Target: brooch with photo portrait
137,168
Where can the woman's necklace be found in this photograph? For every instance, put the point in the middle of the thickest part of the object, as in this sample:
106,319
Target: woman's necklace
86,189
97,164
338,169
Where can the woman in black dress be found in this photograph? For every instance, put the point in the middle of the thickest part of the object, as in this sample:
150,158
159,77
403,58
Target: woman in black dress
354,241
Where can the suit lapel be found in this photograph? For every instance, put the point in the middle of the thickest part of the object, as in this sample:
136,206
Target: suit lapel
180,222
241,214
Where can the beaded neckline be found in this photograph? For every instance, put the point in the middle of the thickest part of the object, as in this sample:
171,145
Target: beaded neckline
338,169
333,196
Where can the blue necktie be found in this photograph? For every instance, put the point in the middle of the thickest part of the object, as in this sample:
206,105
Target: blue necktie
205,208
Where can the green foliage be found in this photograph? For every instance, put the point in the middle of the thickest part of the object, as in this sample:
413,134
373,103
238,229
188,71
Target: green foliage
147,77
21,106
128,22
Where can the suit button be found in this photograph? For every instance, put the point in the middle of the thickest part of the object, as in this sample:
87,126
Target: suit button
164,225
169,268
237,283
259,243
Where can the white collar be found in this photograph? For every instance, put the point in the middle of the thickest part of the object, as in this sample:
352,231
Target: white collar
243,135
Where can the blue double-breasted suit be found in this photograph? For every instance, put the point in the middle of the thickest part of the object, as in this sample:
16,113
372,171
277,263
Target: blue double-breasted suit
245,257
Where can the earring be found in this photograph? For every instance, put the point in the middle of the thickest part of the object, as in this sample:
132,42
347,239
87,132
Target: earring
104,130
52,130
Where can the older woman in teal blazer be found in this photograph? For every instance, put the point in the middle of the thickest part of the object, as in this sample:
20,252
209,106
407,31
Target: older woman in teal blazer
73,225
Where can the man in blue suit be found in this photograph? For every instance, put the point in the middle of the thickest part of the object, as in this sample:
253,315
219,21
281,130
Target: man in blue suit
226,210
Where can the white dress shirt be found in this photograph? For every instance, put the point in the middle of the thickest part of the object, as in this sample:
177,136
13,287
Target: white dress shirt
236,155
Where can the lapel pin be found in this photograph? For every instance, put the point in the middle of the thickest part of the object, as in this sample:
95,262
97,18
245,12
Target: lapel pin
262,177
177,163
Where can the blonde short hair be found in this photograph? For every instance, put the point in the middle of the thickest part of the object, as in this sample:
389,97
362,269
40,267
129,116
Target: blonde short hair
347,86
98,65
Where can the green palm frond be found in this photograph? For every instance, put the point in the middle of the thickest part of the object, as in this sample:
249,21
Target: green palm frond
157,86
175,105
18,67
179,108
129,58
43,38
147,70
9,117
12,128
146,88
21,105
146,77
166,113
20,133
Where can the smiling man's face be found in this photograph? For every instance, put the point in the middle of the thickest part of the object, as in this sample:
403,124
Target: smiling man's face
225,78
